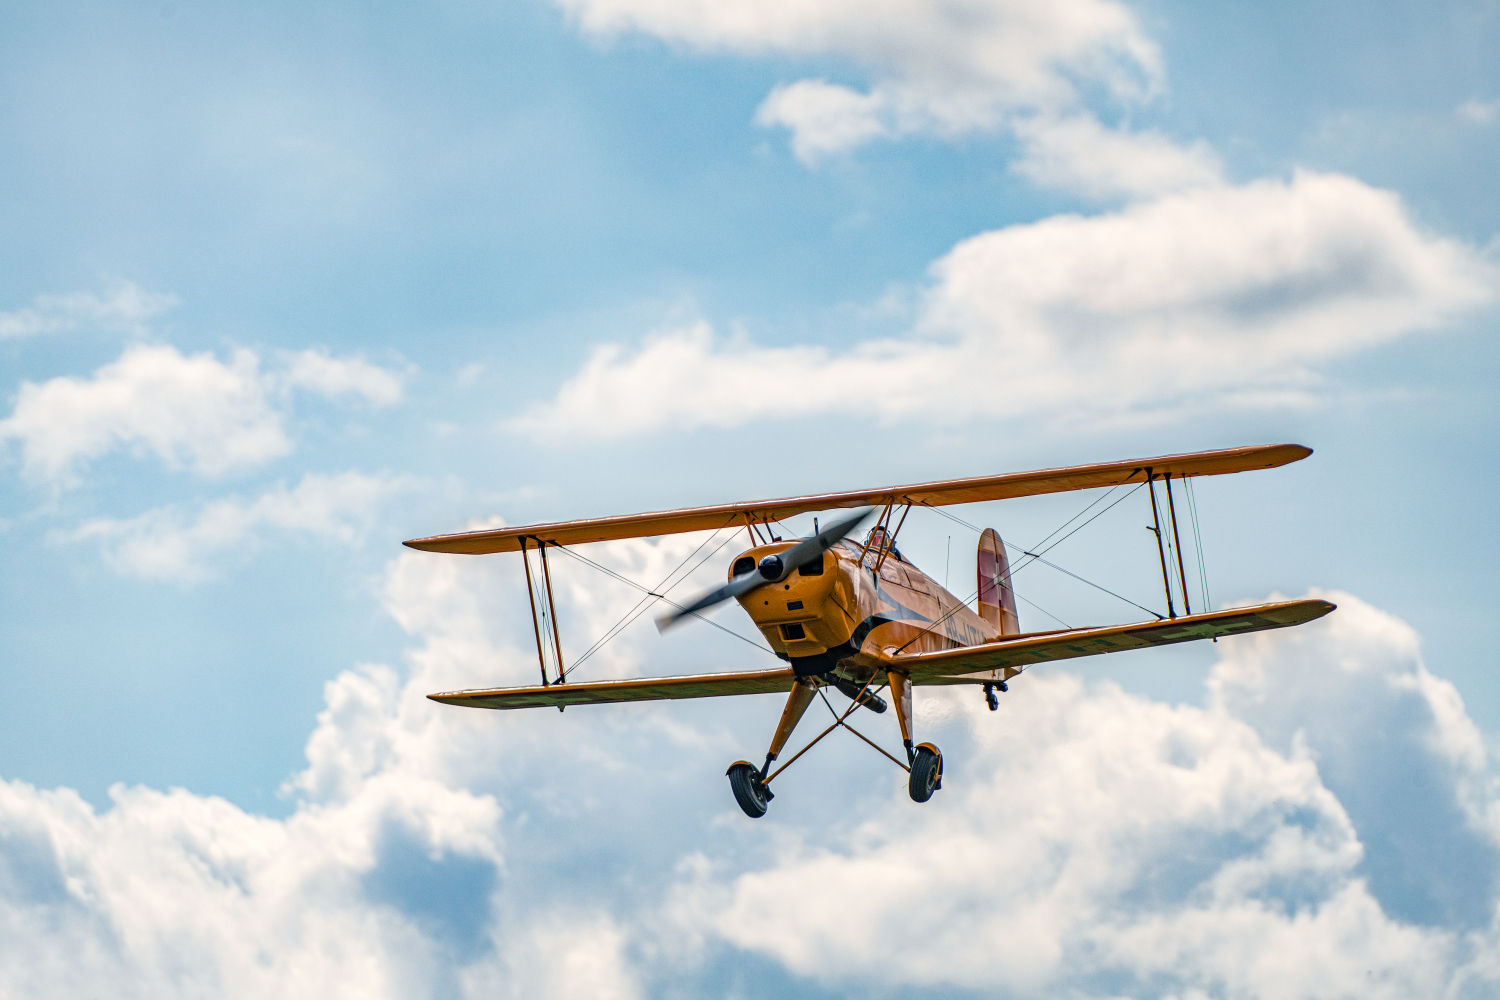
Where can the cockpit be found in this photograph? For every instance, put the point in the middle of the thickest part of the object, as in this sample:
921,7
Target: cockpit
879,538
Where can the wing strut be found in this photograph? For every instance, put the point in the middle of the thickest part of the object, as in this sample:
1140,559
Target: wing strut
1187,606
1161,549
562,673
547,611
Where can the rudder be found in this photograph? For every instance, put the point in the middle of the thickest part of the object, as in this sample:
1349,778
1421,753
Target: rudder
997,601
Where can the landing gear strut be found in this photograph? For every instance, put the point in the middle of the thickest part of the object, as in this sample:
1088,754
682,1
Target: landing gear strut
748,782
925,759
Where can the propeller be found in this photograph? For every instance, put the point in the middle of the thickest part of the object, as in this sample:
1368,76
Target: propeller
772,569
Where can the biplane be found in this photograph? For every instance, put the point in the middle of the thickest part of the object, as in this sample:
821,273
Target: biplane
859,617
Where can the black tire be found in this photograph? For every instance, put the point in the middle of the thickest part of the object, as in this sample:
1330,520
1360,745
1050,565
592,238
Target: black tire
926,774
749,790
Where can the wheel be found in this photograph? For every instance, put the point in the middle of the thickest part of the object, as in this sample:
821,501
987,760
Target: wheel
926,772
749,791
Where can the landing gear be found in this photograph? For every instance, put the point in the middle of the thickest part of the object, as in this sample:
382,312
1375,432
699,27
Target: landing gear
926,772
990,698
751,784
925,759
750,789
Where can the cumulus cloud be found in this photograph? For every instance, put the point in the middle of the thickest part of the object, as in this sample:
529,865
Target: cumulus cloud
1404,759
127,308
823,117
1087,842
1094,838
168,894
1216,296
191,411
319,372
393,877
944,68
188,411
1079,154
161,545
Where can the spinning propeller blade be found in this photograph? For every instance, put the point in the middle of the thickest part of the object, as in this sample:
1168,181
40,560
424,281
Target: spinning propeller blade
772,569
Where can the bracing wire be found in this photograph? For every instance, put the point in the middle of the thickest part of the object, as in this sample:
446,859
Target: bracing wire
1043,610
1038,546
1198,544
1097,500
1037,556
1171,558
645,602
652,595
644,605
1091,583
1043,551
660,594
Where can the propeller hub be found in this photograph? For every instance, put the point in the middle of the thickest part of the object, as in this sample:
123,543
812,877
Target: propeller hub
771,567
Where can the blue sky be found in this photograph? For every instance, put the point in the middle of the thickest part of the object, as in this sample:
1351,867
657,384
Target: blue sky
281,288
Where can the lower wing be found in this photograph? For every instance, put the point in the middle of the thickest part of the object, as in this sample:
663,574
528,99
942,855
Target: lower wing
979,664
634,689
1011,655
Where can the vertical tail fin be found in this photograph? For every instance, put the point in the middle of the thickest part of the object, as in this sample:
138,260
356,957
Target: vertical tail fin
997,602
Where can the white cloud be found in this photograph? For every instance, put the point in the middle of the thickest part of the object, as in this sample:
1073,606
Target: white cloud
1401,736
127,308
158,545
1087,842
945,68
1093,838
823,117
188,411
392,877
1479,112
1213,297
176,895
1079,154
318,372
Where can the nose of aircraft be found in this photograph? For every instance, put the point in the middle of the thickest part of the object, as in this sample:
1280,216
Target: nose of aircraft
773,567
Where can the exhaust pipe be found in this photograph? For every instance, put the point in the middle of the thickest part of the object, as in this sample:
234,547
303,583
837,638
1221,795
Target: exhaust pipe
871,700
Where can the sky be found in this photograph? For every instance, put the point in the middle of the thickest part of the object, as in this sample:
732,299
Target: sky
283,286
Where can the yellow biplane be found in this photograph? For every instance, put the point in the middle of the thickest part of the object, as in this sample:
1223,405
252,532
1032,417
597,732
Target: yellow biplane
859,617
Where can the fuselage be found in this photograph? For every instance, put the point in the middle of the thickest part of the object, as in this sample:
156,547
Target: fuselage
835,615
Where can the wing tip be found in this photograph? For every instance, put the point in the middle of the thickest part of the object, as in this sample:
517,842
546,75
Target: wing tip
432,543
1300,450
466,543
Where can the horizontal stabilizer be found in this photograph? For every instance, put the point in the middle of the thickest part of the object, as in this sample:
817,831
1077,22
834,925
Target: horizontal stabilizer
935,494
1013,654
634,689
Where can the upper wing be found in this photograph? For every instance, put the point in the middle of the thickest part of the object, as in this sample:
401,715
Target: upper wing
947,491
634,689
1016,653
